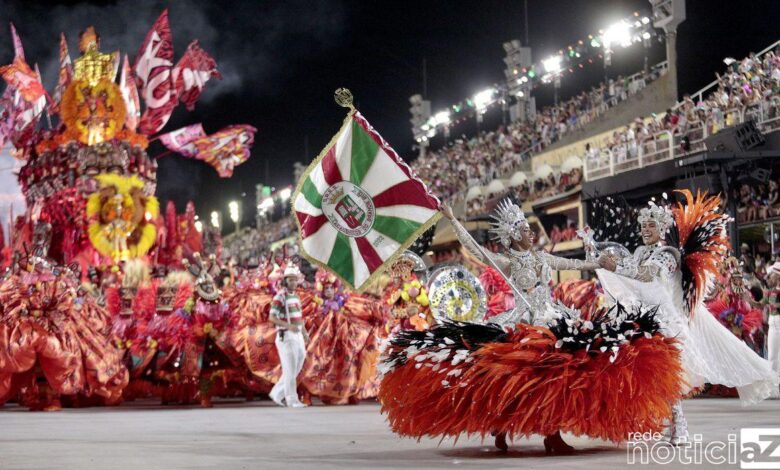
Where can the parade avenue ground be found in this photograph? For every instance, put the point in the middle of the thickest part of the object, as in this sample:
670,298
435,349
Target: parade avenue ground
259,435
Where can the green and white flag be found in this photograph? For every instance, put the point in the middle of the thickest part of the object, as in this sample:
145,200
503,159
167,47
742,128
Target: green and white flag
358,204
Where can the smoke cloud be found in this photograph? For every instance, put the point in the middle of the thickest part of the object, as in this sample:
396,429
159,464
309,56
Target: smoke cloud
254,43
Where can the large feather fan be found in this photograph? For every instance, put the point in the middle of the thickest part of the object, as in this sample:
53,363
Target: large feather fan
699,232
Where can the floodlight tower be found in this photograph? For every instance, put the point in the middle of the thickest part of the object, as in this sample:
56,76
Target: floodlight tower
421,113
667,15
518,84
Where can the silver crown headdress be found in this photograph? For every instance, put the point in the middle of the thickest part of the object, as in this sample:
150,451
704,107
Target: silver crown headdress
509,220
662,217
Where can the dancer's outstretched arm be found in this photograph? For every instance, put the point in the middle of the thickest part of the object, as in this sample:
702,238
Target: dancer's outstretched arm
660,263
470,244
563,264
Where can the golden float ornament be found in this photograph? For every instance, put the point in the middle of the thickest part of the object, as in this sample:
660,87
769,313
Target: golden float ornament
92,113
120,217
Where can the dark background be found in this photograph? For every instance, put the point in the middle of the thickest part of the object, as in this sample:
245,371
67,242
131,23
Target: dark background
281,62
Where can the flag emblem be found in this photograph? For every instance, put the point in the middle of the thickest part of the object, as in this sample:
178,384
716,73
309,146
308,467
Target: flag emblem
349,209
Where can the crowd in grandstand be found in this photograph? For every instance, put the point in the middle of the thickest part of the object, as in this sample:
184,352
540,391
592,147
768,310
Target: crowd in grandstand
555,182
748,87
248,245
467,162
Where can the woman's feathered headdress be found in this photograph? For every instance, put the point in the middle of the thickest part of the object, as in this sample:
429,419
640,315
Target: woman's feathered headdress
508,221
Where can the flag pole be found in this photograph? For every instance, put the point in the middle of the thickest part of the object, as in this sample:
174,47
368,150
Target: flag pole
494,265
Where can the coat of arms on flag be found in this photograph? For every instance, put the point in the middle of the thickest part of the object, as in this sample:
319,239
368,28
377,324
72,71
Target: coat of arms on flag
358,205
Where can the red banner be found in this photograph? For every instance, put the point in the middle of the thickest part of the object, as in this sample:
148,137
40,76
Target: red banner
191,73
130,95
153,68
65,76
18,49
23,79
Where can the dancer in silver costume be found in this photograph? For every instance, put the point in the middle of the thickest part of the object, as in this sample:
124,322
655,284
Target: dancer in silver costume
530,271
653,275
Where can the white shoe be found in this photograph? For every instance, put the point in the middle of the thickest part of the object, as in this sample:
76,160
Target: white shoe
278,401
295,403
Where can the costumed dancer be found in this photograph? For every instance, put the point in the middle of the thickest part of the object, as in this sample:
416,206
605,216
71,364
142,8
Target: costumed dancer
406,297
253,335
732,305
773,311
344,349
131,306
604,377
167,335
291,338
212,320
53,341
682,249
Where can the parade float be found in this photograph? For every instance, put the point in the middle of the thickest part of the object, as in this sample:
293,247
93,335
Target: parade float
74,321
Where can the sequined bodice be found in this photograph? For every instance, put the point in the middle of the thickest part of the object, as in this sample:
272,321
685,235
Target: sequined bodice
528,270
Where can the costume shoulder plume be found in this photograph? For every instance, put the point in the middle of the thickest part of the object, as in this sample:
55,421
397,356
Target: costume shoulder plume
699,232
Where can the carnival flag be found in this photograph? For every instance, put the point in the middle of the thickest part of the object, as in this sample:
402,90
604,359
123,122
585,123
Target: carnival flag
18,49
22,78
65,75
130,95
192,72
358,205
224,149
178,140
153,71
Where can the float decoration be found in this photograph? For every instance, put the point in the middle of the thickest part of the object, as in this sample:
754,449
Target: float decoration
120,217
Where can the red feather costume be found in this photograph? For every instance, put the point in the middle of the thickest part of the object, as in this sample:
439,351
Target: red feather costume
51,333
476,380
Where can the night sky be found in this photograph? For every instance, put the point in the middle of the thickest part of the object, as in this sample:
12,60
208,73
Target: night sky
281,61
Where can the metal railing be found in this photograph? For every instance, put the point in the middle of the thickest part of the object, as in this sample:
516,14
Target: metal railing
700,94
633,84
666,145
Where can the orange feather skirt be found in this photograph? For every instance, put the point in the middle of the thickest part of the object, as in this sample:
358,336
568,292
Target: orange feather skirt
523,383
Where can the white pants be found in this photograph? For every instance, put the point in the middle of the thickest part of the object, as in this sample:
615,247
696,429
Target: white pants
773,342
292,353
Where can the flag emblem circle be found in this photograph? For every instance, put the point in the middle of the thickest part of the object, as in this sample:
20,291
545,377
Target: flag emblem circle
349,209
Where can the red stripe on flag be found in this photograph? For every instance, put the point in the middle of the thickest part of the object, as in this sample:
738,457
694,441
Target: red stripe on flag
310,224
407,192
329,167
372,259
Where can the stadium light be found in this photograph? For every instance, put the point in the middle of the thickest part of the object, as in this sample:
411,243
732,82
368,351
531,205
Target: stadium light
483,99
442,118
266,204
552,64
617,34
215,219
285,194
233,208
